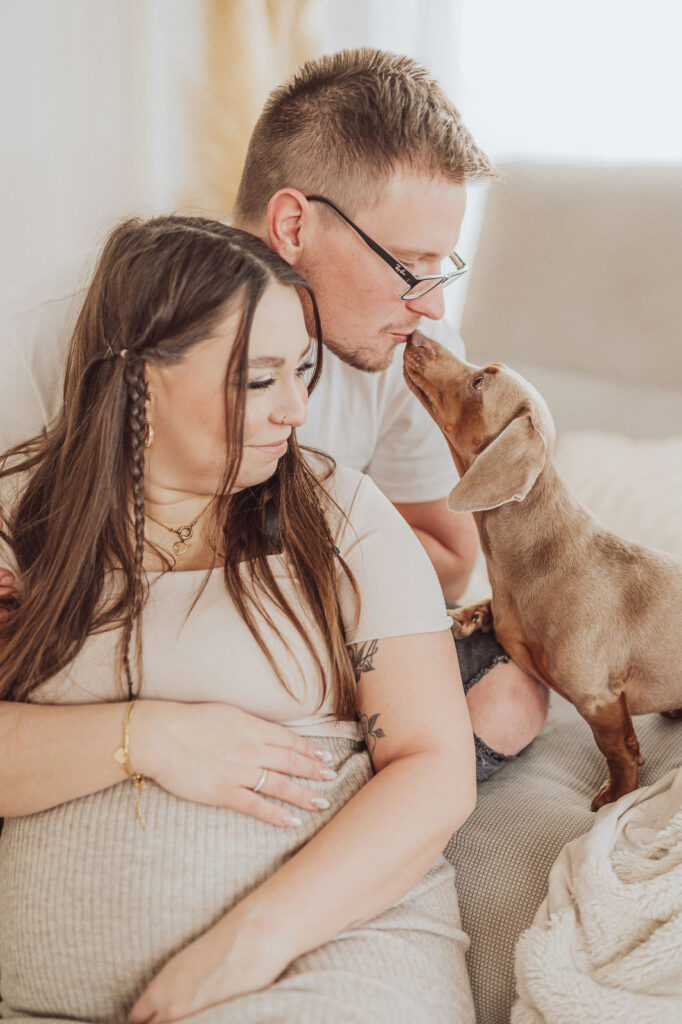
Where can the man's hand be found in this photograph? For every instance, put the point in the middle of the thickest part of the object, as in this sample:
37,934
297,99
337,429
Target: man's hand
466,621
7,591
450,540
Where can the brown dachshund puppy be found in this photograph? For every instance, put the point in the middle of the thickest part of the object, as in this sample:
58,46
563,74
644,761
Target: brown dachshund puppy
594,617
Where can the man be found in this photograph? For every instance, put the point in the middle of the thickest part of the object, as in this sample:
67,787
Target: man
355,175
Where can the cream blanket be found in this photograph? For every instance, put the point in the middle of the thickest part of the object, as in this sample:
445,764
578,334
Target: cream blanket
606,943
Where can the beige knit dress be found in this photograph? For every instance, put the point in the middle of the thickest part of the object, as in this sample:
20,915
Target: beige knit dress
92,906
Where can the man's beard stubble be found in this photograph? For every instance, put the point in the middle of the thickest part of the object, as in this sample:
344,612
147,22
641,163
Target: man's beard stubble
363,357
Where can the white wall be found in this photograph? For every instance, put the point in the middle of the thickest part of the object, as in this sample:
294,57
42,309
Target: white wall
586,79
92,121
597,80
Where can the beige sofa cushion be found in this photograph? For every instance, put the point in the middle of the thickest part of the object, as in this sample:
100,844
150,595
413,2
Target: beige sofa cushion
579,267
575,283
633,486
524,815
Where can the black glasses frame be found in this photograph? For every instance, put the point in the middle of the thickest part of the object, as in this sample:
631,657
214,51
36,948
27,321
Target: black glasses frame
407,276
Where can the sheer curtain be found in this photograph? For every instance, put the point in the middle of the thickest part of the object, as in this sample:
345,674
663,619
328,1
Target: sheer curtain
249,47
121,107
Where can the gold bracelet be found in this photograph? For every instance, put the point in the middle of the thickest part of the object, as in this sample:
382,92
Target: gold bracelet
121,756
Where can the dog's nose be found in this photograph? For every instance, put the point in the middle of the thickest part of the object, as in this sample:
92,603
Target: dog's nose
418,340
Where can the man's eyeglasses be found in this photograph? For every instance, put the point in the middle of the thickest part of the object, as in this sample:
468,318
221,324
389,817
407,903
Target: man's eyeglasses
416,286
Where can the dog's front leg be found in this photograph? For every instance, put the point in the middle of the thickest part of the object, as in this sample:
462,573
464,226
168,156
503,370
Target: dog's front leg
466,621
614,732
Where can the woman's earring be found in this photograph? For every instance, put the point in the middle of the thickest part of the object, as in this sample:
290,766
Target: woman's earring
148,428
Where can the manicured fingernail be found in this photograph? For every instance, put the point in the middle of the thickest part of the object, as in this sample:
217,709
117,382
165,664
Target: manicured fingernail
291,820
324,755
328,773
319,801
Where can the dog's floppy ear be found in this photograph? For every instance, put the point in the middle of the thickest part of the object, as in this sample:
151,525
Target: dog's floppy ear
504,471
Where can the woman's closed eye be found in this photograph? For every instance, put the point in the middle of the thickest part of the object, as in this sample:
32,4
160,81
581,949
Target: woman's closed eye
265,382
304,367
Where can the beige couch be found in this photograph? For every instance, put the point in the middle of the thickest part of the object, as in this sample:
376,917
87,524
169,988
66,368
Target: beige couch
575,283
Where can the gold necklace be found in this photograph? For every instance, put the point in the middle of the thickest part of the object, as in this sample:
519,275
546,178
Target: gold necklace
183,533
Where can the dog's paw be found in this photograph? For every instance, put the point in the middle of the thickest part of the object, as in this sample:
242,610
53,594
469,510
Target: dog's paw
466,621
677,713
602,797
608,793
461,628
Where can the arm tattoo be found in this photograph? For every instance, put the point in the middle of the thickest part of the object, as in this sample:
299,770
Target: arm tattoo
362,657
369,731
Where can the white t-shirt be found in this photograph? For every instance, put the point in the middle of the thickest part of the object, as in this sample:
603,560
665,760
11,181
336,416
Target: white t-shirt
373,422
370,421
212,656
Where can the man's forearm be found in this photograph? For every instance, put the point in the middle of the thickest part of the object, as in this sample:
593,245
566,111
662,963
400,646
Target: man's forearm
453,569
369,855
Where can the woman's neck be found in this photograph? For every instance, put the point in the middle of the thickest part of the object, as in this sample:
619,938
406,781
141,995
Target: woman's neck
178,525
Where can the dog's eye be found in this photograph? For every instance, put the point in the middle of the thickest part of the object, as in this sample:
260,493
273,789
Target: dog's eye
477,382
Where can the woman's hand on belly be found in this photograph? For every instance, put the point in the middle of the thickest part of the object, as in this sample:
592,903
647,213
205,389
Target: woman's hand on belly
215,754
232,958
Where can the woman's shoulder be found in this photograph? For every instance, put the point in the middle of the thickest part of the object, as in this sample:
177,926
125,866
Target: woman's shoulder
399,590
354,505
347,487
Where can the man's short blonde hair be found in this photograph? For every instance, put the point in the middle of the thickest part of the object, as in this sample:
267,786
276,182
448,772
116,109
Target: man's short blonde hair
342,125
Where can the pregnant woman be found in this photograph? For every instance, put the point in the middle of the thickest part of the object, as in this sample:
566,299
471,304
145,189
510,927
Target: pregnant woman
233,740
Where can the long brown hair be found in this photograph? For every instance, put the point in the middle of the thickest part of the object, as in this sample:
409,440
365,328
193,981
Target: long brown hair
160,287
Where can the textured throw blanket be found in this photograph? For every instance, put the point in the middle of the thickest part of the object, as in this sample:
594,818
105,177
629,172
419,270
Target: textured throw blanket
606,943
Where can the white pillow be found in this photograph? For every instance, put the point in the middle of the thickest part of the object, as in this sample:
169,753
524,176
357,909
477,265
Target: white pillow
634,486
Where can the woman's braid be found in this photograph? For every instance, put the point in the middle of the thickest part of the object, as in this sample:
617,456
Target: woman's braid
137,393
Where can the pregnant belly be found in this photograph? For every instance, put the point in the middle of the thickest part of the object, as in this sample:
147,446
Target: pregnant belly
92,905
